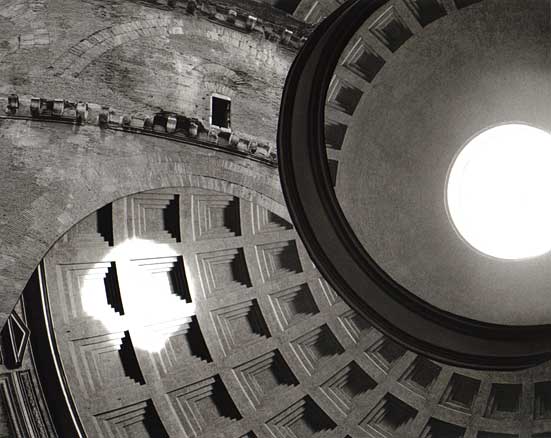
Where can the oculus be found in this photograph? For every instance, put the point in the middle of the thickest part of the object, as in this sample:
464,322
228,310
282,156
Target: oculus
498,190
307,183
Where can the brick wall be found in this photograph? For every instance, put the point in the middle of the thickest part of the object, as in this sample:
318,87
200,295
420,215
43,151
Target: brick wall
141,58
53,175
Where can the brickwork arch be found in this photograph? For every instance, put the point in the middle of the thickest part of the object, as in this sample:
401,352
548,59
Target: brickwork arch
49,190
74,60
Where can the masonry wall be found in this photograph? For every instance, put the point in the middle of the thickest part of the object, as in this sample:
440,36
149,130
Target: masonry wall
53,175
142,57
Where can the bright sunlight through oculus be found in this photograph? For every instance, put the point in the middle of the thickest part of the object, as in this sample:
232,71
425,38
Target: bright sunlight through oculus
152,311
499,192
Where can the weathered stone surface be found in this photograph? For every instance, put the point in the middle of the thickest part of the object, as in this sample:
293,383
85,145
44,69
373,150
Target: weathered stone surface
141,58
46,189
138,58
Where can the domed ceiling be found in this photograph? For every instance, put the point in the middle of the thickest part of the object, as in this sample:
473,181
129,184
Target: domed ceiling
189,312
486,65
189,305
397,95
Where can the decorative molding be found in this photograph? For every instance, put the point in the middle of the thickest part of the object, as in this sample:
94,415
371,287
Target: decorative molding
315,347
354,324
504,400
46,356
293,305
154,216
390,417
263,375
347,384
203,405
138,419
36,414
13,406
239,324
426,11
278,259
215,216
436,428
385,353
461,393
364,60
106,360
94,230
391,29
421,375
88,287
15,337
167,278
344,96
184,344
224,270
303,418
264,221
168,125
330,294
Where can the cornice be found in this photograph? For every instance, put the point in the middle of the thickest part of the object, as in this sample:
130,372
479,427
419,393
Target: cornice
244,16
168,125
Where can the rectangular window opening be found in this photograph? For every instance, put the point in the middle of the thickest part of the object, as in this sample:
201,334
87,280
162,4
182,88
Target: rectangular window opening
220,112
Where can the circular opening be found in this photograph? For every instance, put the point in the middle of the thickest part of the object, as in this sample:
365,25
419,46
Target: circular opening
499,192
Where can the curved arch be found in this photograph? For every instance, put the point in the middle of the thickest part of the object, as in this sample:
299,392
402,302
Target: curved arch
332,244
75,59
48,190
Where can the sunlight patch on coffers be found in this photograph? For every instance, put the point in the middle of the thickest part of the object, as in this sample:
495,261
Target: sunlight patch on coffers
151,308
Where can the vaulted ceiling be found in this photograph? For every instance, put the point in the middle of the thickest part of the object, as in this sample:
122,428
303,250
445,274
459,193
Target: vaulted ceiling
174,295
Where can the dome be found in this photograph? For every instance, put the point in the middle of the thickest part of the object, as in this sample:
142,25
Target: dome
406,89
157,277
